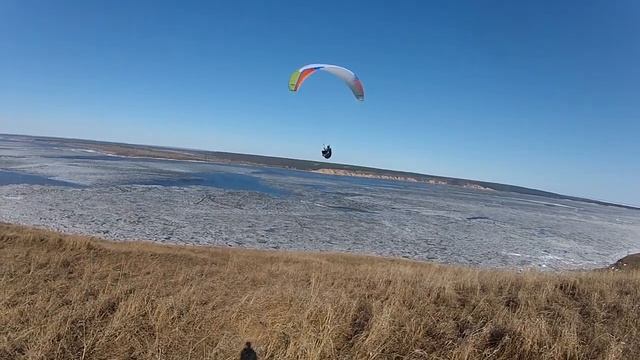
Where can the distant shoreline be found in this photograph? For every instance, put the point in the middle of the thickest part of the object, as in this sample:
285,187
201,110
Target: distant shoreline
168,153
340,172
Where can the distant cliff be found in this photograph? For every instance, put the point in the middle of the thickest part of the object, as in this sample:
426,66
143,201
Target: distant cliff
356,173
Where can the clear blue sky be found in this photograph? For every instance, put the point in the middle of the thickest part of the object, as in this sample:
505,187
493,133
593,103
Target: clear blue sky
544,94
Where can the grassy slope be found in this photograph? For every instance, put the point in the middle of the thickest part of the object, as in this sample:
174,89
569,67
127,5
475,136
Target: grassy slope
74,297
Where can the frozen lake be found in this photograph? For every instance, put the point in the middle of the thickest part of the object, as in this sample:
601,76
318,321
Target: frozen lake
80,191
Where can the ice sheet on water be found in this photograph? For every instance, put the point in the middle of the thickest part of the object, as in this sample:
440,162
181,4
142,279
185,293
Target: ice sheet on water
130,199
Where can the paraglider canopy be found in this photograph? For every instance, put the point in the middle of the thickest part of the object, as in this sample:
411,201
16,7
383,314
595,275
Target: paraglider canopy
352,81
326,152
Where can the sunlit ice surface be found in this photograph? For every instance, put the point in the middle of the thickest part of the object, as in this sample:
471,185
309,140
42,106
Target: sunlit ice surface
82,191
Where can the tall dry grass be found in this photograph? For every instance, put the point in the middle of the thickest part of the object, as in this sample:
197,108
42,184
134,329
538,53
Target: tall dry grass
69,297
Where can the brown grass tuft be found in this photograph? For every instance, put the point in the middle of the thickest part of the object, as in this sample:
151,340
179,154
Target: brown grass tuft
65,297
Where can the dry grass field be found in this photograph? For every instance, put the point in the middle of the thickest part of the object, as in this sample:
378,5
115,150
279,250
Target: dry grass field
71,297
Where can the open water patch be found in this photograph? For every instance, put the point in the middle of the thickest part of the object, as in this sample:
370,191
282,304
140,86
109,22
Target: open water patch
18,178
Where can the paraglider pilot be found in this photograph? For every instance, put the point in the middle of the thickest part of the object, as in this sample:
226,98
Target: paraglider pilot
326,152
